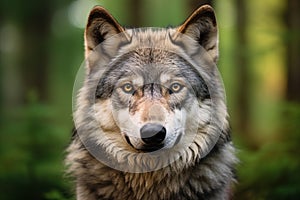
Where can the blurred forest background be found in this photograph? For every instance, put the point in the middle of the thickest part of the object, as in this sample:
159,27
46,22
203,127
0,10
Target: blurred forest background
41,49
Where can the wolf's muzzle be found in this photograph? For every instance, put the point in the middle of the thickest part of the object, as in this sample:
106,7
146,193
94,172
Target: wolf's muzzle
153,134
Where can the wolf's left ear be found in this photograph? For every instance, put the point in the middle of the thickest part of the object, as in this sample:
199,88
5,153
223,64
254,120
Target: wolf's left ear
202,27
100,26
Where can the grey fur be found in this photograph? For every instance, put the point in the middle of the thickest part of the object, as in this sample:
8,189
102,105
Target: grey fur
203,169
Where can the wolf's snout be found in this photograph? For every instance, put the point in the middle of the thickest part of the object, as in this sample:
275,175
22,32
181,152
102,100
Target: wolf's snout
153,134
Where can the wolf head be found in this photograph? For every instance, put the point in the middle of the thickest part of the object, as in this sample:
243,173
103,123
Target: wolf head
151,89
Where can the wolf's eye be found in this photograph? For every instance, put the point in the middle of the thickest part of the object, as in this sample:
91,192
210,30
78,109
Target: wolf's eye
176,87
127,88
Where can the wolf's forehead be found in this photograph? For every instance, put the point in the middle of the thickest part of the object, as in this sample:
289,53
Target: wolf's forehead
146,59
152,65
151,56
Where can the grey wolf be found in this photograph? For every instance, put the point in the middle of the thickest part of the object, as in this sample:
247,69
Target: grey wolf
151,120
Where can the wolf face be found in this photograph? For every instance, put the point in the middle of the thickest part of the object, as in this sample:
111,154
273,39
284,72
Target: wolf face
151,120
153,93
151,89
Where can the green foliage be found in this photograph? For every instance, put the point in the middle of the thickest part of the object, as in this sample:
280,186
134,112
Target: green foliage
272,171
55,195
32,147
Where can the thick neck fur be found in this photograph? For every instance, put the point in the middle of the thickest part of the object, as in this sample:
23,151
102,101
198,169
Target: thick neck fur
208,178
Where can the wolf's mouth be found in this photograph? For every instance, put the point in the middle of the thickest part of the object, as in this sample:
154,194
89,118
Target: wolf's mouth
145,148
151,147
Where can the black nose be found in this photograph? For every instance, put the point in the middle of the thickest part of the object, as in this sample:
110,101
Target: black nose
153,134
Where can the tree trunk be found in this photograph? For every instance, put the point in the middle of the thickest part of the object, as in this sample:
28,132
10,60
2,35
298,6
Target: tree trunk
242,68
34,58
135,13
293,50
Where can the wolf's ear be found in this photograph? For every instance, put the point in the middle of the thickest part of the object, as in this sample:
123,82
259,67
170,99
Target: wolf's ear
100,26
202,27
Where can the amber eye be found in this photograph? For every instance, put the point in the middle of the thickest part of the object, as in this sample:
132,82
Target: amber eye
127,88
176,87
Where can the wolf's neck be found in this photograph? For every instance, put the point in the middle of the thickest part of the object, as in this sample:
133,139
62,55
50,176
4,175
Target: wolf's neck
205,176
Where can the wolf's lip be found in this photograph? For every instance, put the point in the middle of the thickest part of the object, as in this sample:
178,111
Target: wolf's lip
128,140
145,148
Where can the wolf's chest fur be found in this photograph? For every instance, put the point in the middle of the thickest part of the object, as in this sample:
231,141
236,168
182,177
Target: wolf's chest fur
209,178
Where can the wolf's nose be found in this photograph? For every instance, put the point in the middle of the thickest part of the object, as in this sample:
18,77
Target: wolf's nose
153,134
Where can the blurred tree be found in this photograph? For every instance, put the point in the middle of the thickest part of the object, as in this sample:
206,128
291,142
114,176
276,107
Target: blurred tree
271,171
293,49
35,60
242,68
30,164
135,13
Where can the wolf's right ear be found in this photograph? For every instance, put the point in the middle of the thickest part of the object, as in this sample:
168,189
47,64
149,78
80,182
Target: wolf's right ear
100,26
202,27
